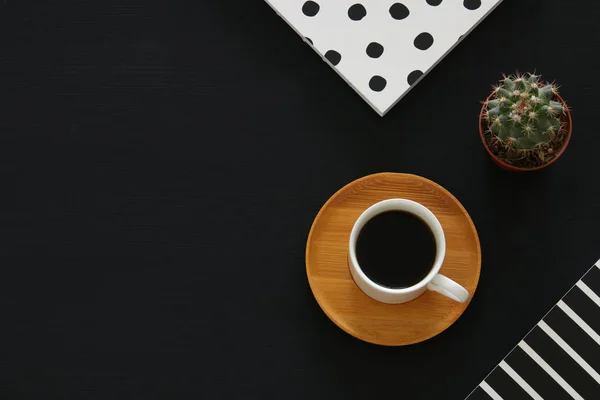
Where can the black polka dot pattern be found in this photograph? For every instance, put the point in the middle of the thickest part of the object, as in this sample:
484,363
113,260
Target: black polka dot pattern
357,12
414,76
334,57
377,45
374,50
472,4
399,11
423,41
310,8
377,83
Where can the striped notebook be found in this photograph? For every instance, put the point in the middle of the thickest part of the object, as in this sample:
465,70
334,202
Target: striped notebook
560,357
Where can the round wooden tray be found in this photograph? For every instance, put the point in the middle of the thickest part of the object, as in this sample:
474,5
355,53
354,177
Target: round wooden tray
346,305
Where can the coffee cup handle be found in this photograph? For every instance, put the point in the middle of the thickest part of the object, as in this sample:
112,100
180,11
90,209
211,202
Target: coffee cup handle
448,288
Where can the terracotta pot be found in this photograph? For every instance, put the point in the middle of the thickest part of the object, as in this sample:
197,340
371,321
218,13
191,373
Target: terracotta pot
509,167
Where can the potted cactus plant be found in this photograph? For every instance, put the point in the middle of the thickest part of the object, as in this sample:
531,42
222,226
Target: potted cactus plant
524,124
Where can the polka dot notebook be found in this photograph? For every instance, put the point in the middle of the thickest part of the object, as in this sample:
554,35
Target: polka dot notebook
380,47
560,357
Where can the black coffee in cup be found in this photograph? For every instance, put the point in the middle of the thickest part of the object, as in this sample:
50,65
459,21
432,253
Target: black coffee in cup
396,249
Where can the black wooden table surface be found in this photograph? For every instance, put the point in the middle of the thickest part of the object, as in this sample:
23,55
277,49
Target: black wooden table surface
162,164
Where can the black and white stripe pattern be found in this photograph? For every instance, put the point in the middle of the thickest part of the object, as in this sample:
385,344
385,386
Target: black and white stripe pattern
559,358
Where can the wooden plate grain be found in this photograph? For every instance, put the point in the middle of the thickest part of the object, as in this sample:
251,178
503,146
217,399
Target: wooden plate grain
346,305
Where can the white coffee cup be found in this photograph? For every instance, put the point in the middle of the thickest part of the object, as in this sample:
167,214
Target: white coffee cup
433,281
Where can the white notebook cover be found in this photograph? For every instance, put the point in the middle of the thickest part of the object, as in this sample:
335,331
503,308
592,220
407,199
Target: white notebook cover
380,47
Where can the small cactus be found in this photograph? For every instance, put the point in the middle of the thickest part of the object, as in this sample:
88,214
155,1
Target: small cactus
522,113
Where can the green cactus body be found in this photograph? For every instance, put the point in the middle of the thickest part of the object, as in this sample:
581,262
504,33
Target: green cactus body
522,114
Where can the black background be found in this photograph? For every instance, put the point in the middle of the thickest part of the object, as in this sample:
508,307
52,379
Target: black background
162,162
